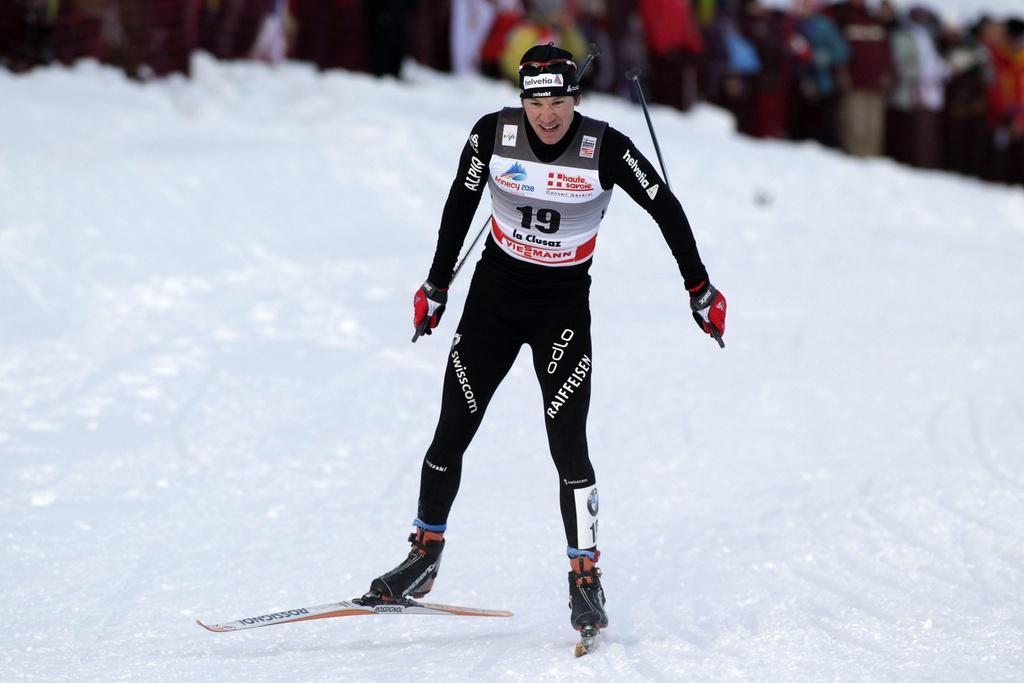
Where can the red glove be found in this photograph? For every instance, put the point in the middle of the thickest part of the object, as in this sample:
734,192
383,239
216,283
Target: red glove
708,306
427,307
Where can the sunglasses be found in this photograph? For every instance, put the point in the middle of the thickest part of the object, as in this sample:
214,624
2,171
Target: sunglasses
553,66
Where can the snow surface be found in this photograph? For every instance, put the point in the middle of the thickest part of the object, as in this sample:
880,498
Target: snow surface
209,405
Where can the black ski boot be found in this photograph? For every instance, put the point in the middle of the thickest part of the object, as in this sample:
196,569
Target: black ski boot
415,576
586,597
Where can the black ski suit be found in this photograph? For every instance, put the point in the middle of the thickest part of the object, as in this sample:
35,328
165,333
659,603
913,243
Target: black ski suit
512,302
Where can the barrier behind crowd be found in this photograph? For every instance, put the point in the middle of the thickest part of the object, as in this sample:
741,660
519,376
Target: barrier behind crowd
863,78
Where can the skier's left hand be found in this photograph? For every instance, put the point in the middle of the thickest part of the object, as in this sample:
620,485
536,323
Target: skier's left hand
708,306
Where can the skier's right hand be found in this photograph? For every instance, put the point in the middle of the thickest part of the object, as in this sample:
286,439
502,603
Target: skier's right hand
427,307
708,307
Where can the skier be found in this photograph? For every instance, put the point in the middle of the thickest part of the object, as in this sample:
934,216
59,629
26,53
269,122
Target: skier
550,172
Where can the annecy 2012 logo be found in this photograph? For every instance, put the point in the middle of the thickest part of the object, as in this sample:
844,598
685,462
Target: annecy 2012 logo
513,178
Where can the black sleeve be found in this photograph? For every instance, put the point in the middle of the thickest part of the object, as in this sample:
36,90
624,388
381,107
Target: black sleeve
463,199
622,164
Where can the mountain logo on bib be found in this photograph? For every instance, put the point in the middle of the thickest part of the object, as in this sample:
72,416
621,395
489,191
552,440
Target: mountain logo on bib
515,172
513,178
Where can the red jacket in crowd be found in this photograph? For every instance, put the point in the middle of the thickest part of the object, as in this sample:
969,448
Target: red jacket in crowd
1006,94
871,65
670,27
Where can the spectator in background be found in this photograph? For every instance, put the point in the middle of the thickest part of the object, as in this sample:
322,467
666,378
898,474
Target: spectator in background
227,28
1006,103
629,44
888,15
332,35
673,46
991,34
964,133
388,35
593,23
918,94
546,21
865,84
38,32
705,11
752,57
509,14
769,31
471,23
897,119
820,52
430,33
271,44
40,18
732,64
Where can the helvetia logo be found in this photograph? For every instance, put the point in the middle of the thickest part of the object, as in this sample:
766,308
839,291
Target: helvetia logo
543,81
641,177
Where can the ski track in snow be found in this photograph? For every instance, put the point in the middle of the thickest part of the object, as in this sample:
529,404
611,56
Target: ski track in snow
209,406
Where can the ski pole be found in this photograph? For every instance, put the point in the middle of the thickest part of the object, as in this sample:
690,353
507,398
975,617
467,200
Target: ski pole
592,53
634,75
422,328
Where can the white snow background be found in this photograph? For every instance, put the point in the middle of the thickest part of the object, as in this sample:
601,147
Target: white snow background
210,407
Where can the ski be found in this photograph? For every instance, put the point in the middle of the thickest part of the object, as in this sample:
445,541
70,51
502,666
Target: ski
588,640
351,608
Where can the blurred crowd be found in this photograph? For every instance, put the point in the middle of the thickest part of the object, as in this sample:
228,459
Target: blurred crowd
863,76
